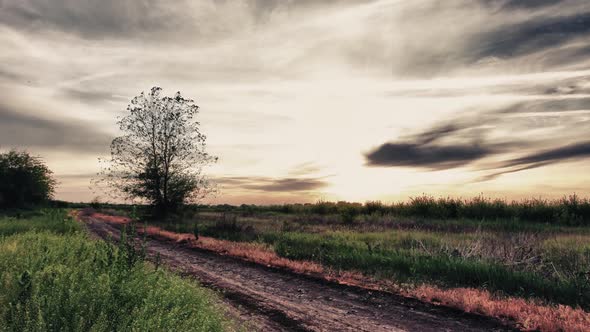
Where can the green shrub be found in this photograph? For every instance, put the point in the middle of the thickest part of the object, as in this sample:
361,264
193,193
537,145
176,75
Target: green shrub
54,278
24,180
69,283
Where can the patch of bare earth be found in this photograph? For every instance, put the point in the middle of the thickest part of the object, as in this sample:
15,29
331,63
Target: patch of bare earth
275,293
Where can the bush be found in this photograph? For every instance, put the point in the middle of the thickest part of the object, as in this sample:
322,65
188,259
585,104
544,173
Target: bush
67,282
24,180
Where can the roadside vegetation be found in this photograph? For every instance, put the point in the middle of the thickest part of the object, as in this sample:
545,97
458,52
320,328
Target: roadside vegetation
569,210
54,278
25,180
546,260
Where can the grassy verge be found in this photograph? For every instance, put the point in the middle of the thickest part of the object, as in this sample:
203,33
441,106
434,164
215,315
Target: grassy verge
527,314
53,278
412,263
548,262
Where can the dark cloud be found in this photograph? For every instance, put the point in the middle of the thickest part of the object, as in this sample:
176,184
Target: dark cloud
452,144
530,36
576,151
26,131
94,19
492,176
434,134
568,152
508,31
273,184
461,140
520,4
426,155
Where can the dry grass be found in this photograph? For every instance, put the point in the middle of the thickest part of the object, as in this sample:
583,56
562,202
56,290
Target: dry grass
257,253
106,217
158,233
253,252
528,315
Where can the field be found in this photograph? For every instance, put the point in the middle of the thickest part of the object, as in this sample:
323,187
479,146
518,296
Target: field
483,256
507,253
55,278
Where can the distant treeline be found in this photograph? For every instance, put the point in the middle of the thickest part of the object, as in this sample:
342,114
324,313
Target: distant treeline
570,210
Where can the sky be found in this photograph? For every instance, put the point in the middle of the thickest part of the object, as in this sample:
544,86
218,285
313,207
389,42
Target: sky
314,100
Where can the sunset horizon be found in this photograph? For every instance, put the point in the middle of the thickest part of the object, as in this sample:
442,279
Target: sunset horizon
305,101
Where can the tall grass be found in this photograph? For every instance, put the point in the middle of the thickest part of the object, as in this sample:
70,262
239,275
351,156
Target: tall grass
54,220
570,210
539,263
53,278
410,260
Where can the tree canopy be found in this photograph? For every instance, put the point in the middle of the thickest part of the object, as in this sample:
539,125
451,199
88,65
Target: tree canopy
25,180
159,159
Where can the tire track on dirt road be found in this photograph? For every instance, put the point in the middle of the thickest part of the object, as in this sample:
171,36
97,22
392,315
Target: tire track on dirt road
272,300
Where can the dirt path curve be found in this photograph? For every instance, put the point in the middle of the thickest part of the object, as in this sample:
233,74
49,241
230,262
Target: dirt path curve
273,300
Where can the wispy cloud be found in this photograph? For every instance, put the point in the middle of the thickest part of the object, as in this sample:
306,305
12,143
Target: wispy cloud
19,130
374,91
266,184
572,151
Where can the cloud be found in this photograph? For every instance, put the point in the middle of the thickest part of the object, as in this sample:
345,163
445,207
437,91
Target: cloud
472,82
306,168
520,4
531,36
571,152
425,155
568,152
267,184
477,134
94,19
9,75
92,96
546,106
21,130
441,38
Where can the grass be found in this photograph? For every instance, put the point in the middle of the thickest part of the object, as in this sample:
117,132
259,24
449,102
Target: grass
523,259
405,260
570,210
527,314
54,278
54,220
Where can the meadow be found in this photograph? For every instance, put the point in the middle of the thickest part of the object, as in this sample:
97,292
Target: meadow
534,249
55,278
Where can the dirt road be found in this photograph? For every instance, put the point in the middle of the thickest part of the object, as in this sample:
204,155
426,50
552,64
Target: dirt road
268,299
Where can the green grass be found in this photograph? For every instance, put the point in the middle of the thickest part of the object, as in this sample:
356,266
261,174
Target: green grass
54,278
545,261
403,260
54,220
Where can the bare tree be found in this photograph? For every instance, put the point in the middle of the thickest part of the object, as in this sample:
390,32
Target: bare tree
160,157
